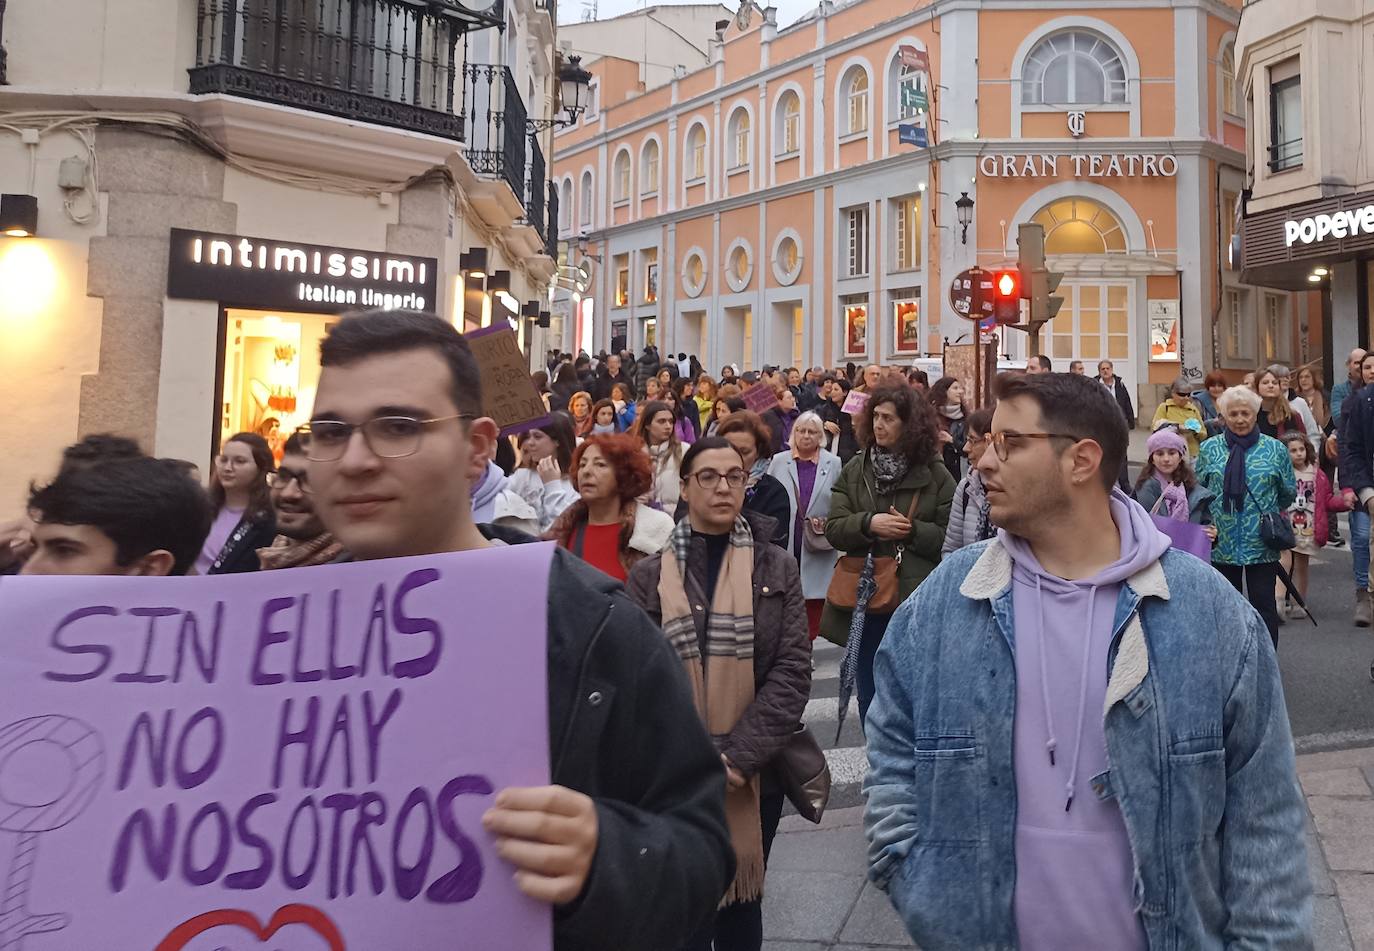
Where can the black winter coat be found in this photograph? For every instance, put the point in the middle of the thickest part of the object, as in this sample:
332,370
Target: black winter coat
1356,441
623,730
240,552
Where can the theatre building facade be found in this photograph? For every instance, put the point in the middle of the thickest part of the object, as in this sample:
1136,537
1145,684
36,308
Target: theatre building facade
191,200
796,201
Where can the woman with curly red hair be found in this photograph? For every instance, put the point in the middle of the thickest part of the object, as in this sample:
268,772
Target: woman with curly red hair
608,527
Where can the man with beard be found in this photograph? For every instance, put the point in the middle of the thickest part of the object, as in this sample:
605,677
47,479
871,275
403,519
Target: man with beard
1078,737
301,538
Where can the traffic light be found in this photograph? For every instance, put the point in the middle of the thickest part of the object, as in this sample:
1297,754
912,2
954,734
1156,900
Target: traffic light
1006,295
1038,282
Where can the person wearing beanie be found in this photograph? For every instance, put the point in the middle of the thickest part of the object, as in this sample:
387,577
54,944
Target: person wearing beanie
1167,485
1180,409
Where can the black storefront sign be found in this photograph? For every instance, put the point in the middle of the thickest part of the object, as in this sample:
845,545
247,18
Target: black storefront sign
1281,246
287,275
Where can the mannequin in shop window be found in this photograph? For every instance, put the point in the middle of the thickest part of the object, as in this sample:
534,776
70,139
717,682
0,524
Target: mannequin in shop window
244,519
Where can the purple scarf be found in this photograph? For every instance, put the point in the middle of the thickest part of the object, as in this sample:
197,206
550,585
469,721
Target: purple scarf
1173,499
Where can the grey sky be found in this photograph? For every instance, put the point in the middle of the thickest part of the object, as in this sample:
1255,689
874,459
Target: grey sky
571,11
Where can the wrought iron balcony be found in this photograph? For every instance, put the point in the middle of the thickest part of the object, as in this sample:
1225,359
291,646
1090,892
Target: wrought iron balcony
535,185
496,134
551,232
389,62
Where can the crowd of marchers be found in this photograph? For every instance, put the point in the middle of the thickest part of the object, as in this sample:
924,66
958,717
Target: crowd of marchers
1076,730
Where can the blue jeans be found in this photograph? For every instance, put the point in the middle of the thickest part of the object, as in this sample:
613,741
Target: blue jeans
1359,546
875,626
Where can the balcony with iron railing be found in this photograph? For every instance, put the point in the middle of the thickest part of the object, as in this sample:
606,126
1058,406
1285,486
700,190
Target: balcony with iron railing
551,228
497,133
389,62
536,188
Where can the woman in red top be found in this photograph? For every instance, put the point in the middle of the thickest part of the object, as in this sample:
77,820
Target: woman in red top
607,526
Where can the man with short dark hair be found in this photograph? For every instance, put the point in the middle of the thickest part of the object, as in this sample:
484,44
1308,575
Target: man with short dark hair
301,537
609,376
629,842
125,516
1079,738
1076,368
1039,363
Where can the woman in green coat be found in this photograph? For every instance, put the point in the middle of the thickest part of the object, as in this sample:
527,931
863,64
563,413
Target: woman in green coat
869,506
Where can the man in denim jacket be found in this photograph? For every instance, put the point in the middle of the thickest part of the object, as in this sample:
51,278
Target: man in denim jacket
1079,738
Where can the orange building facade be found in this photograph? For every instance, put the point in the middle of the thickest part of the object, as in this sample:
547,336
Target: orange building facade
766,208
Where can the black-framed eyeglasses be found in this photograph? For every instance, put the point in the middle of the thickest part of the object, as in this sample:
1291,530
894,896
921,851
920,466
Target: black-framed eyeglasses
284,477
389,437
708,479
998,441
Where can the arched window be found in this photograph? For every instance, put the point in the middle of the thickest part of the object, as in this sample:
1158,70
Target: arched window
911,90
565,205
787,136
586,207
739,139
648,168
696,153
1076,68
1080,226
855,88
622,176
1230,102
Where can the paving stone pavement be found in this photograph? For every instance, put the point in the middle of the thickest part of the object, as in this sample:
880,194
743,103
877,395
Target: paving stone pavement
819,900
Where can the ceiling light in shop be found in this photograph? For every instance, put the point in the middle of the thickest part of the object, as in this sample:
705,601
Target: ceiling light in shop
1320,271
1314,278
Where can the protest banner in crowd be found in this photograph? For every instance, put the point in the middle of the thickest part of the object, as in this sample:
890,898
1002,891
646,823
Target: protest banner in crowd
297,757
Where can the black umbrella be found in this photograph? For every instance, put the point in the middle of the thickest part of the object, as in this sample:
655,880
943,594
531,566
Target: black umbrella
849,667
1292,590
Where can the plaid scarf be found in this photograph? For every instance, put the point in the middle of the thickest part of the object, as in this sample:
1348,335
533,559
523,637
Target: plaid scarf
722,684
288,553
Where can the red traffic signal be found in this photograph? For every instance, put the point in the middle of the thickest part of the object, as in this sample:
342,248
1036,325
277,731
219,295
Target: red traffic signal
1006,286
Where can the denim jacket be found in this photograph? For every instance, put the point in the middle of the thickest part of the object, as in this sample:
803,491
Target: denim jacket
1200,753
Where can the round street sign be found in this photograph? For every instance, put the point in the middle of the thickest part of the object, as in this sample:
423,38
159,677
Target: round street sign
971,294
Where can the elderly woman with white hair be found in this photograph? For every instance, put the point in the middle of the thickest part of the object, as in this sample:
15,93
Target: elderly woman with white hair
808,473
1251,474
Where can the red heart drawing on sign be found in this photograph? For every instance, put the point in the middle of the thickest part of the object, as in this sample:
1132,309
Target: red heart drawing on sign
306,915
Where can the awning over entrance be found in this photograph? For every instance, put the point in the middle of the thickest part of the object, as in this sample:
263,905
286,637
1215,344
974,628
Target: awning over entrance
1281,247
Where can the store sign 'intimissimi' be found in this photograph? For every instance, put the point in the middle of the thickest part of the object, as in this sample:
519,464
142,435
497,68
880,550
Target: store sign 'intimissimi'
1080,164
260,272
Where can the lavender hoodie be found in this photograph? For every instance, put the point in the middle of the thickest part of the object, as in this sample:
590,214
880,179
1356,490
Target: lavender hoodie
1074,871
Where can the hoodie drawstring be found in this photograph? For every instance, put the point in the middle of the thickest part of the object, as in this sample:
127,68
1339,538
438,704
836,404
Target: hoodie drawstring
1052,744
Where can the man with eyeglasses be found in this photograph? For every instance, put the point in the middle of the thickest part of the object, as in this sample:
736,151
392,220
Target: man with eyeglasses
628,843
301,538
1079,738
731,605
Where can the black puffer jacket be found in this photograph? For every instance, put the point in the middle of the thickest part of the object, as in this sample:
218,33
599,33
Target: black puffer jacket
623,730
782,649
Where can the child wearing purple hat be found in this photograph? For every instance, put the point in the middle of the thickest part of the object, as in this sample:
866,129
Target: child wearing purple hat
1167,485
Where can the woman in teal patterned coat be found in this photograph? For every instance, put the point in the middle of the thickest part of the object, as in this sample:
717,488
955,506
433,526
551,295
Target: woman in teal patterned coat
1251,474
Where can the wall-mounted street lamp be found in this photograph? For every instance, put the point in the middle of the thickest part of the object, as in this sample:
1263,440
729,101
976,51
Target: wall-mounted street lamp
18,216
499,281
574,93
964,205
473,263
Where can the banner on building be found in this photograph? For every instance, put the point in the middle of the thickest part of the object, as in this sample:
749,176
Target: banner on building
298,758
915,59
856,330
911,134
1163,331
906,326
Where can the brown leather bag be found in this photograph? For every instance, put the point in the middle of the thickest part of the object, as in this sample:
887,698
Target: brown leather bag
844,583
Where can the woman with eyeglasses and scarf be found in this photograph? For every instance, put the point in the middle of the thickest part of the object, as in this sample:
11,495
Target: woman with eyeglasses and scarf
731,606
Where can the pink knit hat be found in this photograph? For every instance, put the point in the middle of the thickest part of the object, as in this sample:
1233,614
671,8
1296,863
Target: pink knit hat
1166,438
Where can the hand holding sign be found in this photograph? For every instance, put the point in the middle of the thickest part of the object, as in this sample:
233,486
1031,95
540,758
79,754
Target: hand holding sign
549,833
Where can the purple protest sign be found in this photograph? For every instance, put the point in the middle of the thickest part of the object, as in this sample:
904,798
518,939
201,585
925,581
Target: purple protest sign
760,398
854,403
297,759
